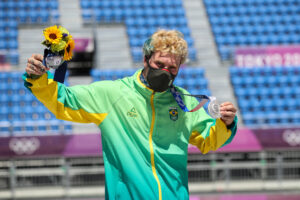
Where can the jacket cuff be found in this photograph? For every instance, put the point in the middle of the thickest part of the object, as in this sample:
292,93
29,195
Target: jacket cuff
32,76
233,128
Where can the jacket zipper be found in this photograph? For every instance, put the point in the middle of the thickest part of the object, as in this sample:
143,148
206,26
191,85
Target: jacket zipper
151,146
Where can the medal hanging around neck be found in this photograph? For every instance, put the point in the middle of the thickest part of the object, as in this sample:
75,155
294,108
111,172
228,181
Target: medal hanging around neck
60,45
213,107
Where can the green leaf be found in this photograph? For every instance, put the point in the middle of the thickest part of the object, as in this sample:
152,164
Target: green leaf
46,43
66,39
63,30
58,47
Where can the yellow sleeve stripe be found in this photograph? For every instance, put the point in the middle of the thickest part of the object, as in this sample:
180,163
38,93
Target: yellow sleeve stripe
46,90
218,135
81,116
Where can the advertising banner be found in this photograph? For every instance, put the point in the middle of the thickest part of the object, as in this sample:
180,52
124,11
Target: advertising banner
55,145
83,45
267,56
76,145
278,138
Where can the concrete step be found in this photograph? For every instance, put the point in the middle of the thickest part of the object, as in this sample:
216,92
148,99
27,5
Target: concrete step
26,36
107,36
26,55
70,13
203,58
195,12
202,33
69,21
208,63
205,39
198,23
192,4
112,56
113,52
105,40
207,54
116,65
205,48
114,59
113,45
70,5
79,80
29,43
27,48
205,33
111,32
203,55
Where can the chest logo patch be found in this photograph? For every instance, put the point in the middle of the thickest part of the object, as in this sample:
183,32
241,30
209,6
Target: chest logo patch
132,113
173,113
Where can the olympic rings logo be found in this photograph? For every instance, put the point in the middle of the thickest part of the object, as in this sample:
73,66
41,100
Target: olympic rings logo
292,137
24,146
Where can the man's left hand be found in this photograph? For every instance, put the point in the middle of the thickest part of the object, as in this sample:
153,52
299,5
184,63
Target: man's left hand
228,112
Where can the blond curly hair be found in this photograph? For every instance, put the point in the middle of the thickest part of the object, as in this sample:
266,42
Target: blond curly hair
167,41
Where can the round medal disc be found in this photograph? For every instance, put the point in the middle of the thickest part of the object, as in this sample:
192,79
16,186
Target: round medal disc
54,61
214,108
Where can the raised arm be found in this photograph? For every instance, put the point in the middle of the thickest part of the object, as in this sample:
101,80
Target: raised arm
75,104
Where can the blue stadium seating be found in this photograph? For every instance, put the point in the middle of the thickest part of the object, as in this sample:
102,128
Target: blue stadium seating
21,113
262,22
142,18
13,13
268,96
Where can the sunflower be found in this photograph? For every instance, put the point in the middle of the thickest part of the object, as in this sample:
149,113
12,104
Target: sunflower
68,49
52,34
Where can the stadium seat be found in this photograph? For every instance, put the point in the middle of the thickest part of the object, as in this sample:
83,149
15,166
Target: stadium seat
142,18
5,128
4,111
236,23
14,13
21,113
267,96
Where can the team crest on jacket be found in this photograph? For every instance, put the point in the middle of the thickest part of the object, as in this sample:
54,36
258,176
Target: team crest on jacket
173,113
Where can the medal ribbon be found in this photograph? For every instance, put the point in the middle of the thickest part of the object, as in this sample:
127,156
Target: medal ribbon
178,99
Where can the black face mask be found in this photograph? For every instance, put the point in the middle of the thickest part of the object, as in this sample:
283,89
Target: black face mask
159,80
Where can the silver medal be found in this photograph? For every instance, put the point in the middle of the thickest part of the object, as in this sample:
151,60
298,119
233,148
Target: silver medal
54,61
214,108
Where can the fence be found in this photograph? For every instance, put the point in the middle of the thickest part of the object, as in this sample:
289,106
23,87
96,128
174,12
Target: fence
214,172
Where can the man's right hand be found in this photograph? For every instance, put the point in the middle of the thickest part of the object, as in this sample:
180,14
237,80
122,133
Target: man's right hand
35,65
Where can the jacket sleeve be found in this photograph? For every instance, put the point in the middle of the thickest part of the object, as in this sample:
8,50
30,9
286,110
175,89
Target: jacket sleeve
210,134
81,104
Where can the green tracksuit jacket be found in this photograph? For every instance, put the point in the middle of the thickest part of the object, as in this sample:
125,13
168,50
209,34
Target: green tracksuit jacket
145,135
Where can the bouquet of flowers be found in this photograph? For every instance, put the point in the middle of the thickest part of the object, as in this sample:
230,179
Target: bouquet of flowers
59,45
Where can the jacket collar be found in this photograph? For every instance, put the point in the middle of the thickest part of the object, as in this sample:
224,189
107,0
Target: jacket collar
144,89
140,86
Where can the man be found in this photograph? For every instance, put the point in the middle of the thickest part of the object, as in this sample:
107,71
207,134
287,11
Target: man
145,134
